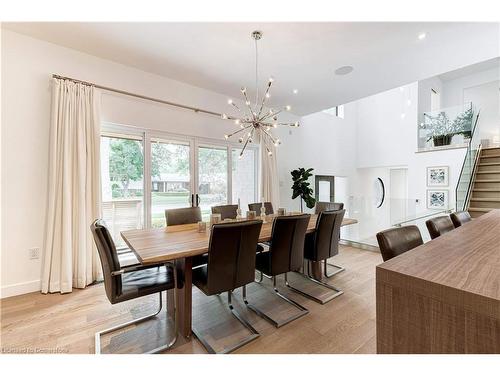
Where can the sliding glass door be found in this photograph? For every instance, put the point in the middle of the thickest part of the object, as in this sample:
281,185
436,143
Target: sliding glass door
144,173
212,177
170,178
122,184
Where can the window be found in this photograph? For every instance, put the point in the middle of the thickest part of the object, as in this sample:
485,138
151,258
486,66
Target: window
212,178
144,173
337,111
435,100
171,178
122,184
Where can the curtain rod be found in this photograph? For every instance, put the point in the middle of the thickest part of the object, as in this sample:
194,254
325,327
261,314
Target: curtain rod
197,110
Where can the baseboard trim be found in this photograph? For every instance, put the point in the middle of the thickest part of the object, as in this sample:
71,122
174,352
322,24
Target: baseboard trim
20,288
360,245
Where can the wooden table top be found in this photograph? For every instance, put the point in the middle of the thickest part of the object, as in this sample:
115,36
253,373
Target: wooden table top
466,259
180,241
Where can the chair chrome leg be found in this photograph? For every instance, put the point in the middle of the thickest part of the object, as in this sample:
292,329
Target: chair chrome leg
139,320
254,334
339,269
302,309
262,275
337,293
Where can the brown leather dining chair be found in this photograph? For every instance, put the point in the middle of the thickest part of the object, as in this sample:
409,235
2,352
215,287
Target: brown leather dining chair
395,241
257,206
328,206
286,253
460,218
127,283
179,216
231,264
321,245
437,226
188,215
227,211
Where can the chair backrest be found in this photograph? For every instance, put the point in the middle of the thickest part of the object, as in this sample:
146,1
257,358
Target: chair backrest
460,218
395,241
327,235
231,255
227,211
178,216
256,207
328,206
438,226
287,243
109,259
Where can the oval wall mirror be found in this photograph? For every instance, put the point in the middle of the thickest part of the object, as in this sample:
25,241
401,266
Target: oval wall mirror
379,192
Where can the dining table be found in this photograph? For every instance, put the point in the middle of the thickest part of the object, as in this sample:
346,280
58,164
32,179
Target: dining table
179,244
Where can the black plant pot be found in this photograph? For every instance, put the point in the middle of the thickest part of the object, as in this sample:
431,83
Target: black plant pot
442,140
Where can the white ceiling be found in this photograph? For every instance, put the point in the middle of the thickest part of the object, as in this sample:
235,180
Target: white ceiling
471,69
303,56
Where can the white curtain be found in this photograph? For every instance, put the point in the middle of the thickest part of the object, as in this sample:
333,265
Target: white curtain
71,259
269,173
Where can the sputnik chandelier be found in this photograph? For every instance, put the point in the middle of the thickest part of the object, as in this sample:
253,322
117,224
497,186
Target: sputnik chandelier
255,119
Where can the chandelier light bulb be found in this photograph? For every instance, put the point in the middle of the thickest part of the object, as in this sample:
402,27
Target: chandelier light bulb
288,107
247,102
242,126
237,121
241,156
295,91
243,90
223,116
275,125
268,95
296,124
271,111
230,101
226,136
271,79
270,153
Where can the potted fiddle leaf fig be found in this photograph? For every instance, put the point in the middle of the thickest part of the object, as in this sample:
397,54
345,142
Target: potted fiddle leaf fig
301,188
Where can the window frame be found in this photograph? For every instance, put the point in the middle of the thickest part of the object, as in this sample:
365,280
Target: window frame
147,135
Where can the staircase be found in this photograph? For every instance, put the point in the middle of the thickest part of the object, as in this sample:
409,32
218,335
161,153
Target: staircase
486,190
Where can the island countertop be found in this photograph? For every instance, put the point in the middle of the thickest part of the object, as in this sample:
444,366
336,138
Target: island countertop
443,296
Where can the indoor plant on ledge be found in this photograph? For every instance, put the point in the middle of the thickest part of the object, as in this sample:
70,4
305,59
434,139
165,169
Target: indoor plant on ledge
300,187
442,129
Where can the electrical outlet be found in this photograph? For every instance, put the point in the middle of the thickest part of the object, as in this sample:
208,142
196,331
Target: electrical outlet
34,253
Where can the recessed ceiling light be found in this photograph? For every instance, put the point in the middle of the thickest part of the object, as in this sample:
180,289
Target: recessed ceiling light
295,91
422,36
343,70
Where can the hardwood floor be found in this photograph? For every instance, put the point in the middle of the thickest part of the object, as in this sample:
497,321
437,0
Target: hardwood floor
67,323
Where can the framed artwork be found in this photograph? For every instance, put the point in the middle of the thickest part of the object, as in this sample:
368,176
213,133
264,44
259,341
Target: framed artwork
437,199
437,176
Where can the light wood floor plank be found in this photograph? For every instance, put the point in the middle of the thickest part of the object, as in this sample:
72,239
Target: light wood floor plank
67,323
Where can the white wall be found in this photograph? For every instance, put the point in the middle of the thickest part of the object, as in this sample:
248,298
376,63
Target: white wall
378,133
323,142
483,90
27,65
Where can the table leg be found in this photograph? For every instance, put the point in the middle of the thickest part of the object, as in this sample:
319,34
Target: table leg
184,295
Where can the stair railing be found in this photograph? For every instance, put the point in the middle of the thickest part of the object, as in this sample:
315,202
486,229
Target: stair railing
467,174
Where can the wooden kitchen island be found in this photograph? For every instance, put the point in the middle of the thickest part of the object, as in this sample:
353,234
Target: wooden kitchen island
443,296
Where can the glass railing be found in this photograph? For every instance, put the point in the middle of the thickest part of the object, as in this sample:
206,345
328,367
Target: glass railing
446,127
393,212
464,184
